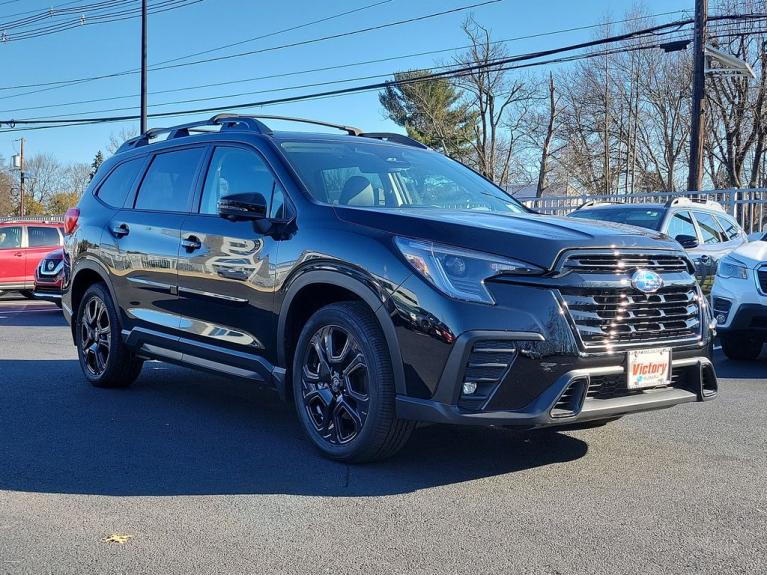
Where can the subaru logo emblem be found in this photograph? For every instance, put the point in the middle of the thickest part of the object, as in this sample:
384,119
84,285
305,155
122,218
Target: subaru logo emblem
50,265
646,281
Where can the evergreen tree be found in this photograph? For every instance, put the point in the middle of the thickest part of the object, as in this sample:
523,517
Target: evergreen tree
432,112
96,164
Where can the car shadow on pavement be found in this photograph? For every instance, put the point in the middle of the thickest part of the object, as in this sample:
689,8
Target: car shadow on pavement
39,315
732,369
179,432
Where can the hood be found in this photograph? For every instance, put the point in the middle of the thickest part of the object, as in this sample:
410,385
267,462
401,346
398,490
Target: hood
533,238
57,254
751,254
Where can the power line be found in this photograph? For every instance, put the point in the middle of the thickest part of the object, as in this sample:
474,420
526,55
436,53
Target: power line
268,49
468,68
497,65
324,68
156,8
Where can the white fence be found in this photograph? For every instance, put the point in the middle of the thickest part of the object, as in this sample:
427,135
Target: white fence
747,206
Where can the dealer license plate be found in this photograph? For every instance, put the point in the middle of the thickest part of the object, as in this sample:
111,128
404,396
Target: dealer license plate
649,368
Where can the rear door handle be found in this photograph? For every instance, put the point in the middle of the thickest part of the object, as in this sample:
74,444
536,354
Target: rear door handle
190,243
119,230
19,254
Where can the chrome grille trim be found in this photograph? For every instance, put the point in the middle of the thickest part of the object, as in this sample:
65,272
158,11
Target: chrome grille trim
606,312
621,261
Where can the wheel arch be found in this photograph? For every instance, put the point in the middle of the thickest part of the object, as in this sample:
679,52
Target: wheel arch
315,289
87,273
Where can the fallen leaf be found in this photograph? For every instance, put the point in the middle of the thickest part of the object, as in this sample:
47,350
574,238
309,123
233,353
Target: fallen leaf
120,538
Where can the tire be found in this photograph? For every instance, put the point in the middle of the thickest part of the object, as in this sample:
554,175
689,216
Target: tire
104,358
741,348
58,303
27,294
343,386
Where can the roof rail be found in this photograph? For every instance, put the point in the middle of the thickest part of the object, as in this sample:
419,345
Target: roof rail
398,138
687,201
351,130
254,123
596,203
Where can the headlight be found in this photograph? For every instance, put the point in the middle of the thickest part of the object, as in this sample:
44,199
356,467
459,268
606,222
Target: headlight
729,269
457,272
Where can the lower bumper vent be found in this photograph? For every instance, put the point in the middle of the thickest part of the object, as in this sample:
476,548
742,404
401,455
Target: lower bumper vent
571,400
486,367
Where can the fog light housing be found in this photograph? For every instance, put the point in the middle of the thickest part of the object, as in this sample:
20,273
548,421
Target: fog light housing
720,318
469,387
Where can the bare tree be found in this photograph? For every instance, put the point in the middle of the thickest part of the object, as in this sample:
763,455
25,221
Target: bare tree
500,102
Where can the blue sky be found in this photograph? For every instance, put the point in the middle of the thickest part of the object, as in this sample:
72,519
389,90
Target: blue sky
106,48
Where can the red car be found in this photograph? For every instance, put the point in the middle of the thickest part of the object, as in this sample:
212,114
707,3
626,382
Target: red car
49,277
22,246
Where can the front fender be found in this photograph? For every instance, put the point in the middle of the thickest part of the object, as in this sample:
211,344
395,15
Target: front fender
370,290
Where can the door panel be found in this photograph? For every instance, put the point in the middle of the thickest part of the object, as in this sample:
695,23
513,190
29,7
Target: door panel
226,285
12,258
226,280
144,241
142,251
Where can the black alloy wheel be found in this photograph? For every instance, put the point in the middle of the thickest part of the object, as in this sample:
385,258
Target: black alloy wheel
335,384
105,359
343,385
95,336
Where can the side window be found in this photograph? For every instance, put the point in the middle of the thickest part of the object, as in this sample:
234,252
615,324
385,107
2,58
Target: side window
710,229
277,207
235,171
731,229
167,185
10,237
115,188
38,236
681,225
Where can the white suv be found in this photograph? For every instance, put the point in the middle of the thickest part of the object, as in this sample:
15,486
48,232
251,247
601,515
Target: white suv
739,299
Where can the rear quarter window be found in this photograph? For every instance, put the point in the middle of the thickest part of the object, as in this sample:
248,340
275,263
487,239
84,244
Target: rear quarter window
119,182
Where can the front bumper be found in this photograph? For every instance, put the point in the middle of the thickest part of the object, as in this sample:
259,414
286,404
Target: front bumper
538,390
747,319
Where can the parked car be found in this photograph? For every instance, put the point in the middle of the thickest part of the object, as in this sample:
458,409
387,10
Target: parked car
757,236
703,228
338,270
739,298
22,245
49,277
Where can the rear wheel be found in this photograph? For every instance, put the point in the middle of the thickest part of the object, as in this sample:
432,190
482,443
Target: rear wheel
343,385
27,294
104,358
741,348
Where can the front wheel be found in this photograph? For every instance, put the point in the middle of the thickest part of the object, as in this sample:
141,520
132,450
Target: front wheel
343,385
741,348
104,358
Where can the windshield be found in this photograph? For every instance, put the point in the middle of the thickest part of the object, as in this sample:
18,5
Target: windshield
649,218
379,175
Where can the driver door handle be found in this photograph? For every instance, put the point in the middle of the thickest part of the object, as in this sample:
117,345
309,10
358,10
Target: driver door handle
190,243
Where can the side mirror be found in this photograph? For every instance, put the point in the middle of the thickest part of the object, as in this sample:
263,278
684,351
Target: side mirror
247,206
687,242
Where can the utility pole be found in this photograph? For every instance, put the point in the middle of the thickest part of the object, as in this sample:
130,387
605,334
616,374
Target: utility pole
21,176
143,67
695,178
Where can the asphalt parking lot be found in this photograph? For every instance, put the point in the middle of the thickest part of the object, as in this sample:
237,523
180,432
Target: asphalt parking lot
210,475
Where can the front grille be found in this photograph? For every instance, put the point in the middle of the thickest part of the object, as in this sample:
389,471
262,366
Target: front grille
620,316
762,273
622,262
486,366
612,386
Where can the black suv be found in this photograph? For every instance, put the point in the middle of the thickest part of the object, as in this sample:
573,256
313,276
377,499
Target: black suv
376,284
